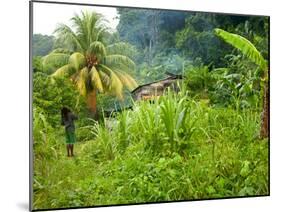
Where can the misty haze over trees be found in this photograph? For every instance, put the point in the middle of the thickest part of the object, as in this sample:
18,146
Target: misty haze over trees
169,39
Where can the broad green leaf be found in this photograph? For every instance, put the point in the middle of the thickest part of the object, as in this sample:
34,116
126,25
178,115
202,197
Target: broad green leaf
244,45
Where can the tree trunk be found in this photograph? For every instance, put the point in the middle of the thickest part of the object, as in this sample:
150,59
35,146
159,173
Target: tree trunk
264,131
150,52
92,103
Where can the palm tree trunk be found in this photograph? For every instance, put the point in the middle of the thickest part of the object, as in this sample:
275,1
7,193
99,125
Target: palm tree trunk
264,131
92,103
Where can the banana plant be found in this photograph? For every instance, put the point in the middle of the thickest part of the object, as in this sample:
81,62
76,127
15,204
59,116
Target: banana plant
250,51
91,65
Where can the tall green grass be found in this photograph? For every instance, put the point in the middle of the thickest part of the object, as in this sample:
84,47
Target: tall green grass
173,149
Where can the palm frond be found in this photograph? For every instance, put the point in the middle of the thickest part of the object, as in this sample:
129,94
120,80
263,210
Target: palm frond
63,71
105,79
81,81
53,61
66,35
116,60
126,79
80,30
96,79
87,26
116,86
98,49
244,45
99,33
77,60
61,50
95,24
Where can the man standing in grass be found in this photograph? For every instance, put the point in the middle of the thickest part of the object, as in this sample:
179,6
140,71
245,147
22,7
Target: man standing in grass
67,119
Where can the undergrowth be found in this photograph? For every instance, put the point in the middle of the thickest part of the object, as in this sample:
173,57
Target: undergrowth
173,149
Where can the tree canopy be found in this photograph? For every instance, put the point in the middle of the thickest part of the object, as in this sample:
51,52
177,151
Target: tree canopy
42,44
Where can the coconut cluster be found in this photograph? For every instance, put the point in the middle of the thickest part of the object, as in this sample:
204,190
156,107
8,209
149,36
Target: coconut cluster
91,60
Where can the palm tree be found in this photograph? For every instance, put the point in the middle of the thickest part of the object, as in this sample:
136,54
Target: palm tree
91,65
249,50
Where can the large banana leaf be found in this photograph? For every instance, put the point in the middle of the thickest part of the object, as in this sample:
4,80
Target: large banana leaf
244,45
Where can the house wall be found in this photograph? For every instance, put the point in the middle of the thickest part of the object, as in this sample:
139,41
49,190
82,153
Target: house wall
155,89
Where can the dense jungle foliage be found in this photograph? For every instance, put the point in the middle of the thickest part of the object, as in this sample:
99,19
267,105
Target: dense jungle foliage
201,142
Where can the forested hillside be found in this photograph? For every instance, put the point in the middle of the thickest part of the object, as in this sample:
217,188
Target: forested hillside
42,44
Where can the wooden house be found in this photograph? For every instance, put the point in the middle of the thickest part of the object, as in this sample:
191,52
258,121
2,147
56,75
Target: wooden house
155,89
